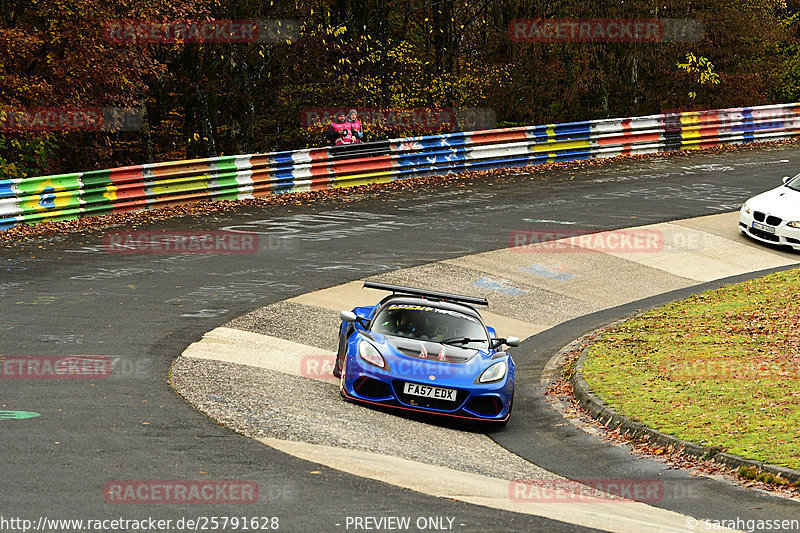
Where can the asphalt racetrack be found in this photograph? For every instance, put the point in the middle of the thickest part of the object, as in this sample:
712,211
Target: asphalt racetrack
70,297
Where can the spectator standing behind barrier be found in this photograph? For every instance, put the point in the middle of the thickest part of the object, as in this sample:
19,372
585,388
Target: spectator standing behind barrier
355,125
339,130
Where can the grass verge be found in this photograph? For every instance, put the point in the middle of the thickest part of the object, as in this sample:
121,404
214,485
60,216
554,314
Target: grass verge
719,368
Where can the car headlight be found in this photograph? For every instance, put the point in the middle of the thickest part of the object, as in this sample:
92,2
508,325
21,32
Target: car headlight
746,208
794,224
496,372
370,354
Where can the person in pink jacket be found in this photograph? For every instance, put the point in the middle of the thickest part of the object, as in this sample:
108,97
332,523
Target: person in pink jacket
340,131
355,125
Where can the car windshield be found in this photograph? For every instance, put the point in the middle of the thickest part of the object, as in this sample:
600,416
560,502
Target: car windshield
431,324
794,183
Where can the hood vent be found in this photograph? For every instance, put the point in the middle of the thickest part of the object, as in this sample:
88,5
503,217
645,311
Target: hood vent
432,351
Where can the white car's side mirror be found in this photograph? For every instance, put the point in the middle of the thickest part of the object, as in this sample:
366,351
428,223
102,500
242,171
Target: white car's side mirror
786,178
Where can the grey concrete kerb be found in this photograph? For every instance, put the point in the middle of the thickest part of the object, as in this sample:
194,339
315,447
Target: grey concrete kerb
611,418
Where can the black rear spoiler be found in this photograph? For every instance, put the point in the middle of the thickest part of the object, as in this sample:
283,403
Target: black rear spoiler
397,289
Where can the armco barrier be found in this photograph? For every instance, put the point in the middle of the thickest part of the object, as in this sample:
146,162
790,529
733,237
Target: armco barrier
68,196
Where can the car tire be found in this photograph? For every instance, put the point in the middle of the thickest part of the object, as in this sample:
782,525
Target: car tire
341,378
341,354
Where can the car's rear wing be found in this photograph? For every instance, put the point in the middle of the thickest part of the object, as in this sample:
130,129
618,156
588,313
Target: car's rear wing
397,289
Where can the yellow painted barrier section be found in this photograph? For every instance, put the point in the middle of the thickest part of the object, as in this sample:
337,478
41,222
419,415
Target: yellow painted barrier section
363,179
567,145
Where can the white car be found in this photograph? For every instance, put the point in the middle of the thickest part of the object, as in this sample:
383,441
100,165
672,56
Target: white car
774,216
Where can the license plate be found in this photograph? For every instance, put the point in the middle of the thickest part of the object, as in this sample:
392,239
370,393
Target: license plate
764,227
427,391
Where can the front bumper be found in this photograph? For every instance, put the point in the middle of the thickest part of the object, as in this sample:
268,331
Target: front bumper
486,402
783,234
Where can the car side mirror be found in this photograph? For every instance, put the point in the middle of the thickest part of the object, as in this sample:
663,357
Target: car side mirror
349,316
786,178
510,341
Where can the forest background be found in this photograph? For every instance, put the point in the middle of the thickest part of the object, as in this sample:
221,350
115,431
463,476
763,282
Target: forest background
204,99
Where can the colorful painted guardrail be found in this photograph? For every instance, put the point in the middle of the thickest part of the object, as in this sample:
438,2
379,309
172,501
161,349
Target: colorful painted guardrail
69,196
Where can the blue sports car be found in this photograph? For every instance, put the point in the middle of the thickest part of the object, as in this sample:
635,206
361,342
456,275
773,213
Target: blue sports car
425,351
